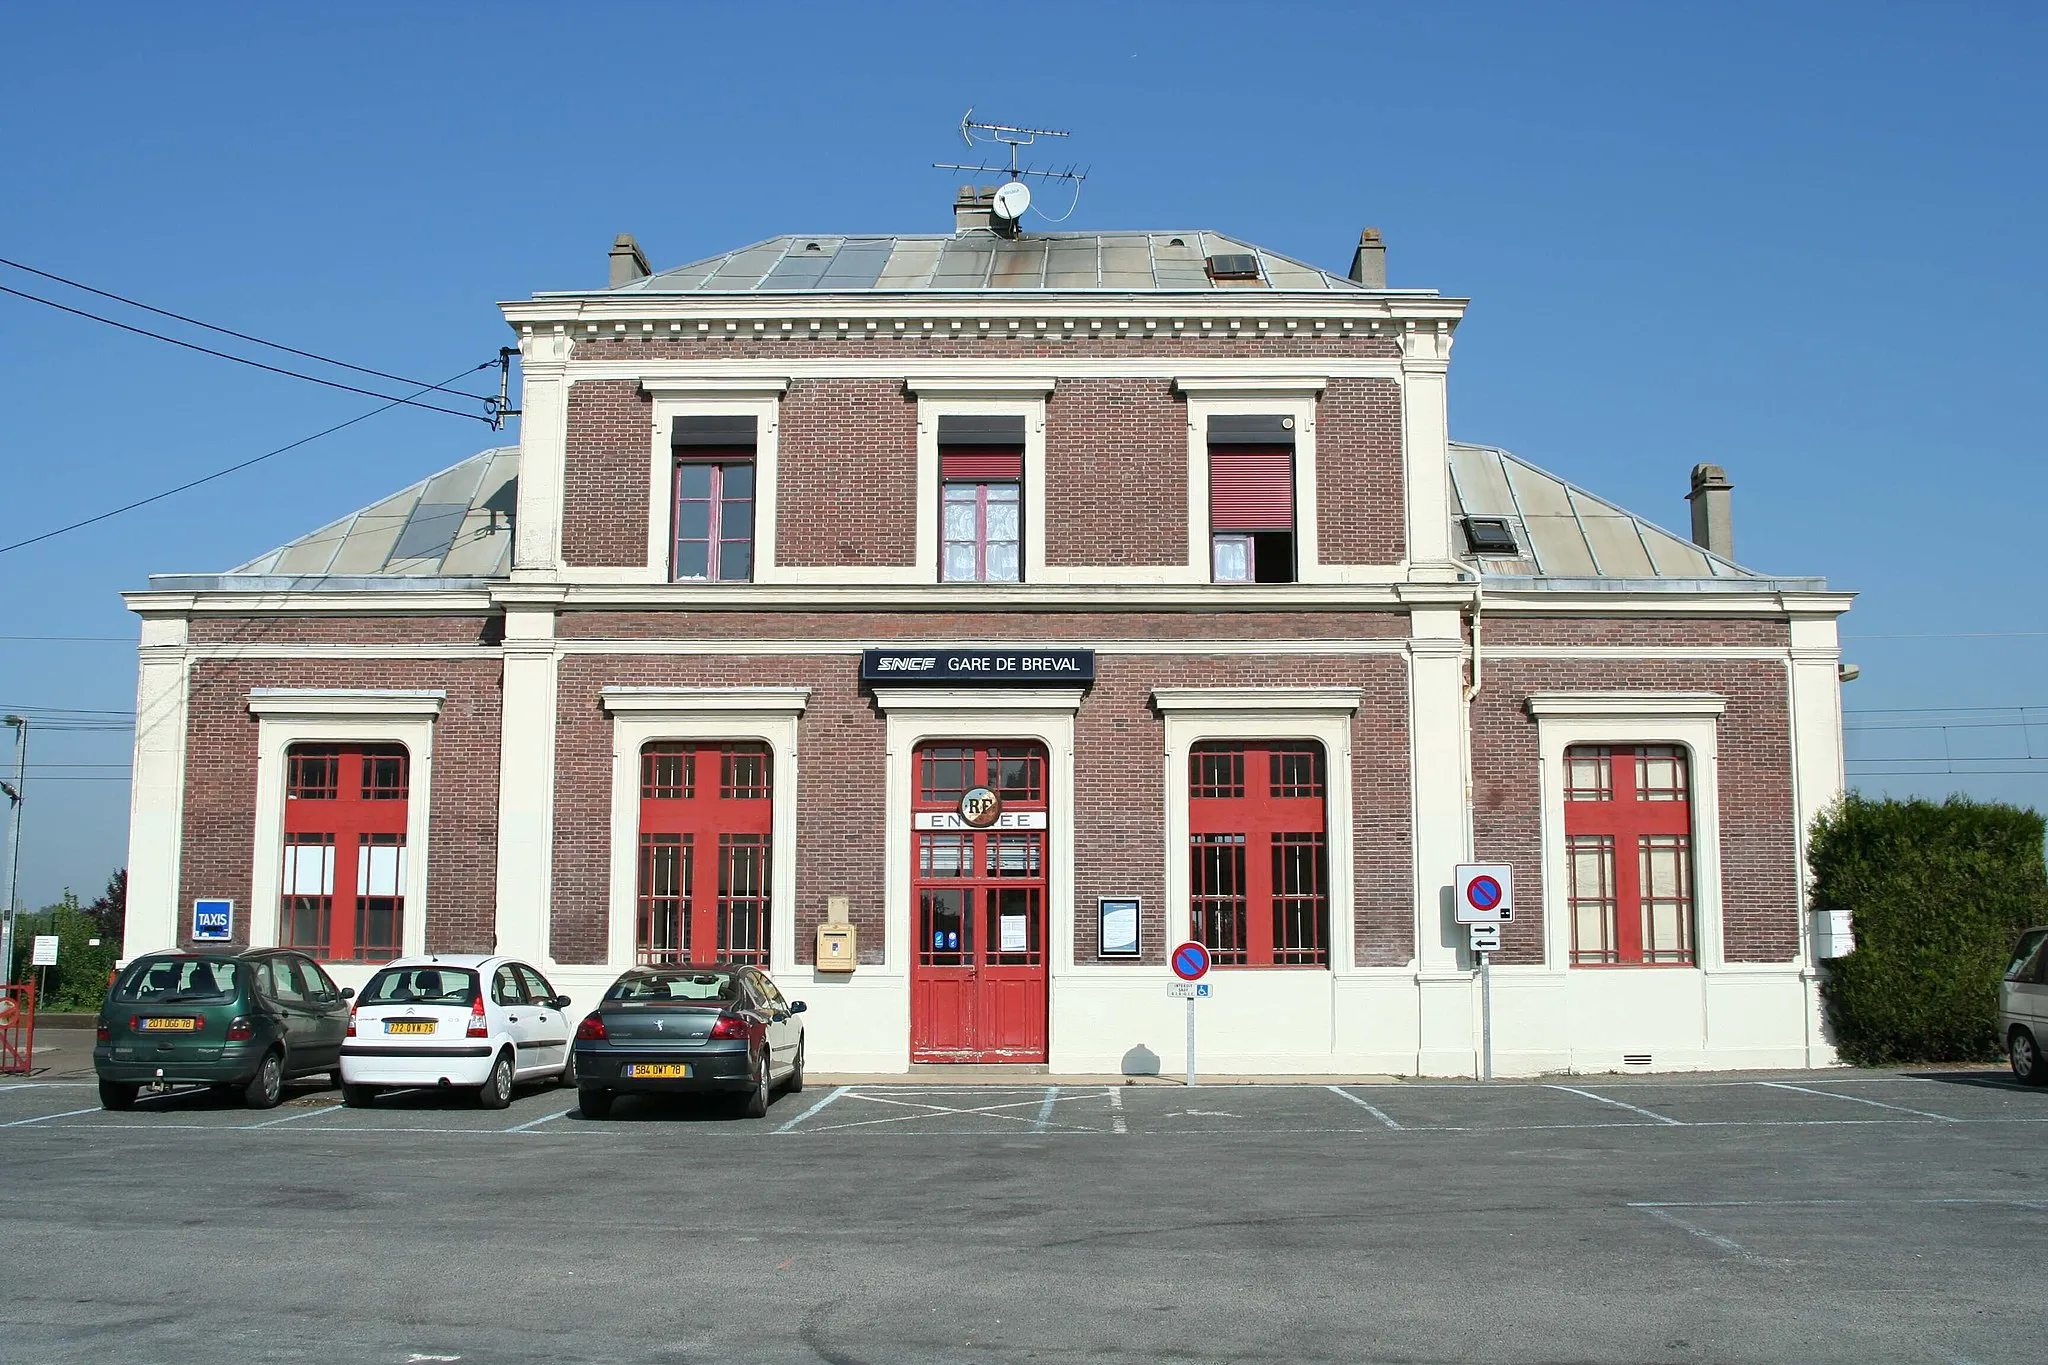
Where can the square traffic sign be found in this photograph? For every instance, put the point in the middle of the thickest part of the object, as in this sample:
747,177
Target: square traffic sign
1485,893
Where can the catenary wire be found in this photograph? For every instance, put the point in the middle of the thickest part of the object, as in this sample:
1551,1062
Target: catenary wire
229,331
254,364
223,473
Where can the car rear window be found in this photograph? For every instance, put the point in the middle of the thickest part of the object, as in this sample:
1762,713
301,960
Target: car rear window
169,980
2023,952
420,986
715,988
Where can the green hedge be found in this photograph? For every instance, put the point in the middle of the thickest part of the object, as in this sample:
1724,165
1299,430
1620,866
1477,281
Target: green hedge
79,980
1936,893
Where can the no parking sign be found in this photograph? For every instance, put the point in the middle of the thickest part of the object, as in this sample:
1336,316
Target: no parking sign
1486,893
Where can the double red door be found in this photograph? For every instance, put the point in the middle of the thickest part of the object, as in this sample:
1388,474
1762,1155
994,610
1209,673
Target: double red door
978,928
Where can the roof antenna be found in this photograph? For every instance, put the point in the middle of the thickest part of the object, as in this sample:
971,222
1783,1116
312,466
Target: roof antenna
1015,196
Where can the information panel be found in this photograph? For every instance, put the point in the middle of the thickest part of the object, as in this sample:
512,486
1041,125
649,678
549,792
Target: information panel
977,665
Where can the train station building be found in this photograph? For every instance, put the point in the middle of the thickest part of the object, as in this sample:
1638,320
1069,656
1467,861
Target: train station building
955,623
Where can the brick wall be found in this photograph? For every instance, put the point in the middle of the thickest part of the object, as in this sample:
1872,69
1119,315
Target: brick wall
1759,838
846,470
1017,627
1116,473
604,491
462,843
1502,631
327,629
1360,493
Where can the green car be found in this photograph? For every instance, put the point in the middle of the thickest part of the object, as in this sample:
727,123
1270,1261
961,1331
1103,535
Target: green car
246,1022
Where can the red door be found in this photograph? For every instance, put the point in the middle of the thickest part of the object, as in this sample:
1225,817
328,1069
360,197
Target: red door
705,834
978,974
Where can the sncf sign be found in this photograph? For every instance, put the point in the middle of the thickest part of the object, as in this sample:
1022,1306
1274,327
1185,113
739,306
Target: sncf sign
977,665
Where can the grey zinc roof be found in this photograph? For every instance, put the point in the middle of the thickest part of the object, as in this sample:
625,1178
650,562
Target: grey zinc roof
1563,533
979,261
455,524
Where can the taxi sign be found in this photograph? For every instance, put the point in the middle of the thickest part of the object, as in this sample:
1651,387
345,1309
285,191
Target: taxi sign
213,921
1485,893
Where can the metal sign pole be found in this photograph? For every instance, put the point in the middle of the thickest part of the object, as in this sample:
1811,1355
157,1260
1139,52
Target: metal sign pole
1486,1015
1191,1040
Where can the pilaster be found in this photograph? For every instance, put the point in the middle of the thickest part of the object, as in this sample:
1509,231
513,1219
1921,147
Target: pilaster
156,802
526,772
543,454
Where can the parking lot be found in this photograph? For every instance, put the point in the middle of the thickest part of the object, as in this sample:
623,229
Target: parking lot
1814,1216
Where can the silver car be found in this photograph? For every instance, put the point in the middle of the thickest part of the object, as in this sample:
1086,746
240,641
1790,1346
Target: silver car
2023,1007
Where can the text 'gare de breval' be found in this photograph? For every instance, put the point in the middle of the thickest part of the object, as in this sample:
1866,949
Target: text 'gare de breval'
954,623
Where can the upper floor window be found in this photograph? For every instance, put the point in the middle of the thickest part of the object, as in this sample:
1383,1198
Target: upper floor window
1251,499
1628,854
981,486
714,499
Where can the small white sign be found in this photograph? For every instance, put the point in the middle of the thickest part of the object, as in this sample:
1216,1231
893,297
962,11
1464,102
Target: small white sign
952,819
1187,990
45,951
1485,893
1016,935
1485,938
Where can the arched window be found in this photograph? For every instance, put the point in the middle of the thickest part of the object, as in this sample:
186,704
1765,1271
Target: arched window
705,822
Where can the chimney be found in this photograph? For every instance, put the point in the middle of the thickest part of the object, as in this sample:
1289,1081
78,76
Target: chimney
974,208
629,262
1369,262
1712,499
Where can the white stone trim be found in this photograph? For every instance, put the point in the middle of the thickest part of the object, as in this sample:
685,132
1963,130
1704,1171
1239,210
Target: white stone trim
963,700
1313,713
994,387
1297,403
1252,382
759,397
156,798
644,715
288,716
1688,720
528,701
701,386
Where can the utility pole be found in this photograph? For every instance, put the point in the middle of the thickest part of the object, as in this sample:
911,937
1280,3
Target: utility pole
13,794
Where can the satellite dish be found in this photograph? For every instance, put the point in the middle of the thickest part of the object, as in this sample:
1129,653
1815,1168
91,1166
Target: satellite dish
1011,201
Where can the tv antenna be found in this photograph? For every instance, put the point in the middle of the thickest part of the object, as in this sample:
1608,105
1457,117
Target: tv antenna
1014,197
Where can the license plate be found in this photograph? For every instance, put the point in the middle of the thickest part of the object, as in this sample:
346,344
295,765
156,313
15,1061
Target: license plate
170,1026
657,1071
408,1026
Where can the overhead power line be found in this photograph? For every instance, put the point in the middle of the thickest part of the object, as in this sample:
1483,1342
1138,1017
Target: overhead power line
231,332
255,364
223,473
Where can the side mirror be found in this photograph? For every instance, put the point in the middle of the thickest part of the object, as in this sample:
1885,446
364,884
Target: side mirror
797,1007
348,992
560,1002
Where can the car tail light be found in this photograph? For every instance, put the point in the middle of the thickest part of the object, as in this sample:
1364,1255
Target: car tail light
591,1030
351,1024
104,1034
135,1023
477,1027
240,1030
730,1027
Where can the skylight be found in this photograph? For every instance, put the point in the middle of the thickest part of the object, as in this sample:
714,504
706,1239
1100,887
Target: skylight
1490,536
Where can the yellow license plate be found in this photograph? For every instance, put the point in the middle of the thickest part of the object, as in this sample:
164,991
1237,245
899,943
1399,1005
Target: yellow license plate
408,1026
657,1071
170,1026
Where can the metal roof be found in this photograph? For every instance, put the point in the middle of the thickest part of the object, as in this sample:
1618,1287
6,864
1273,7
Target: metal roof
454,524
979,261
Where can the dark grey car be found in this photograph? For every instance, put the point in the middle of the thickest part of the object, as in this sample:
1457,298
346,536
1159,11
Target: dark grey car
678,1030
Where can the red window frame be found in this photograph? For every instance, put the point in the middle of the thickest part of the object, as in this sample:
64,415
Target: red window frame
706,853
728,520
1627,816
982,470
341,893
1258,852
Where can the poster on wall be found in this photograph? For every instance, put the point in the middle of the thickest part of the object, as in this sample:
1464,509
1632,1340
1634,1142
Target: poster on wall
1119,936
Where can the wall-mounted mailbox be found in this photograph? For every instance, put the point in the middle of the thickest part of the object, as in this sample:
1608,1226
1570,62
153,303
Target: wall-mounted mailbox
838,946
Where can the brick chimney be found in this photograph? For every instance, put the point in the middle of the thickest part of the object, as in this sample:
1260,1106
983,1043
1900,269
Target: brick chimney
1713,500
974,208
1369,262
629,262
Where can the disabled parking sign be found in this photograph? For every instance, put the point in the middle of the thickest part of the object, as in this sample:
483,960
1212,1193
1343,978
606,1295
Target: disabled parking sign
1485,893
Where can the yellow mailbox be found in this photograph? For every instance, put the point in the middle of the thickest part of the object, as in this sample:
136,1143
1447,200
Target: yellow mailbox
838,947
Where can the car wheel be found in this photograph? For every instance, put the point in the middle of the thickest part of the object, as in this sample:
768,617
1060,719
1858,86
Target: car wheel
568,1076
117,1095
497,1088
756,1106
592,1103
2026,1058
266,1087
795,1084
358,1096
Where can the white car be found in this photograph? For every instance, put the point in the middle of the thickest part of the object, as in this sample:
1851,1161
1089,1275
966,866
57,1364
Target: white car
456,1021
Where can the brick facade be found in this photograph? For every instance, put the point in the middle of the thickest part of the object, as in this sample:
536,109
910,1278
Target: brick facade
1247,623
1634,632
1116,473
605,489
462,844
846,474
1360,492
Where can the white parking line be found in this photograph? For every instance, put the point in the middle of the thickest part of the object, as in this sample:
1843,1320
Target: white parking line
289,1118
1618,1104
535,1123
45,1118
1340,1090
814,1109
1116,1109
927,1111
1728,1244
1052,1096
1858,1099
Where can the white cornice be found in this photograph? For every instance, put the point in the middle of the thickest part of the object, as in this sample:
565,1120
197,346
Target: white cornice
1291,699
1626,705
331,702
1241,382
976,373
660,385
685,700
1006,699
994,385
823,314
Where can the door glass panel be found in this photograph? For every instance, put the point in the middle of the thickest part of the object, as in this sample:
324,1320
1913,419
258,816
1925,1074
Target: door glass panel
945,935
1013,926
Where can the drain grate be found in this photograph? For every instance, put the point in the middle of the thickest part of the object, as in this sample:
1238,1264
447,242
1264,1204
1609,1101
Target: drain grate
1635,1059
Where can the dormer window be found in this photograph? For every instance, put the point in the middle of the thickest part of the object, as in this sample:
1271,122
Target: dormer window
714,499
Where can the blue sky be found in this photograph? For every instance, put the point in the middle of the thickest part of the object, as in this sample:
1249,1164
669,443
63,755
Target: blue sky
1799,241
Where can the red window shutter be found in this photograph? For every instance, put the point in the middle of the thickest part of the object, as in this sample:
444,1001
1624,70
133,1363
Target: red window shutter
981,465
1251,488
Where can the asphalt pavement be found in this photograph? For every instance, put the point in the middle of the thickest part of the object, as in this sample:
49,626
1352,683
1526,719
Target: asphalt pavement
1827,1216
